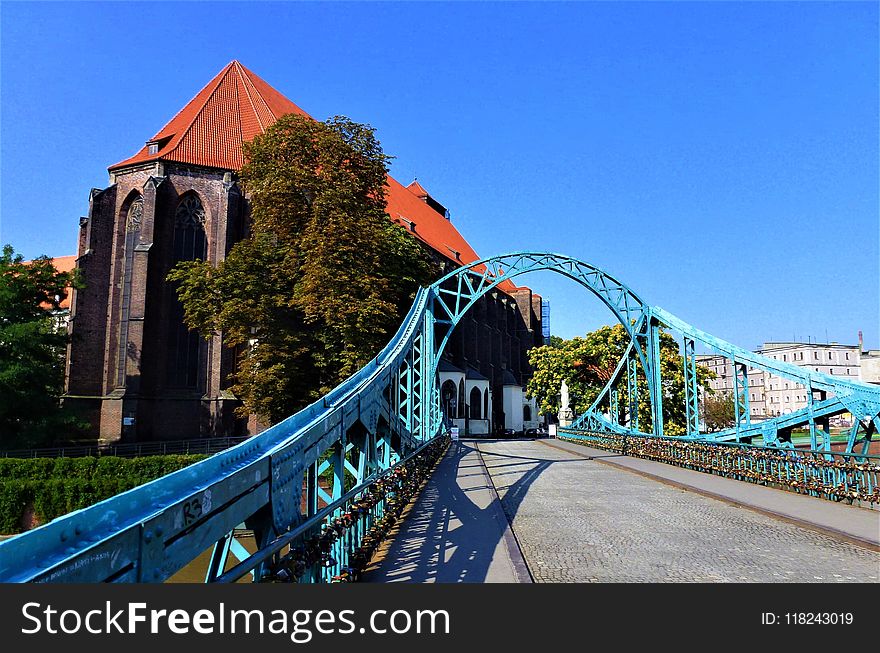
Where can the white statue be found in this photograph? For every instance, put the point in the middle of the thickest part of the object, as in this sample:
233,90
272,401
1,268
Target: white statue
566,414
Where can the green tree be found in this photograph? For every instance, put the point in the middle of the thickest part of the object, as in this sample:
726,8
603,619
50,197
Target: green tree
324,277
718,411
587,364
32,351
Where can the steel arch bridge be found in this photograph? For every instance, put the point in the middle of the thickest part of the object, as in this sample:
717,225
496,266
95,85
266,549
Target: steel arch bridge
374,426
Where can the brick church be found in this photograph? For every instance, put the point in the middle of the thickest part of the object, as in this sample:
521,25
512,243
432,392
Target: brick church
138,374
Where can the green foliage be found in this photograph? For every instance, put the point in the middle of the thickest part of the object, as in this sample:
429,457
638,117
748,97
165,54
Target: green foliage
718,411
57,486
324,277
587,363
14,498
31,352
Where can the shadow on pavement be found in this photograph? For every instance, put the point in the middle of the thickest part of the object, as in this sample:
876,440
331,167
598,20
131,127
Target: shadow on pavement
457,527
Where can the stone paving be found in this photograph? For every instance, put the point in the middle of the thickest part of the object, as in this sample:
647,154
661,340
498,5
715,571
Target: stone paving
579,520
455,533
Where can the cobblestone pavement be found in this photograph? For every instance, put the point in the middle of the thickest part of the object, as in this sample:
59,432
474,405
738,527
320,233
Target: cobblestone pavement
580,520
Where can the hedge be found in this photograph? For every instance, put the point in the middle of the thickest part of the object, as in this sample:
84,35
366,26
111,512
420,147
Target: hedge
52,487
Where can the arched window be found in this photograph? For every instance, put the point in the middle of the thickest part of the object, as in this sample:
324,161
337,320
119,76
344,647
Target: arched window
476,402
189,230
461,398
527,413
133,217
486,404
190,244
449,397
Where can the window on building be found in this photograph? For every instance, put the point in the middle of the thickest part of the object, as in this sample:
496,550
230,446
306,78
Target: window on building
133,217
189,244
448,396
486,403
461,402
527,413
847,355
476,403
815,355
829,355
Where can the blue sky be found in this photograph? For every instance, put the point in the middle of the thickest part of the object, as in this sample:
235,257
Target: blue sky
720,158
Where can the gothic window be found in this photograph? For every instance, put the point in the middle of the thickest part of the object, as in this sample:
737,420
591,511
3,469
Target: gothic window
486,404
461,402
450,399
133,216
527,413
189,230
135,213
476,402
190,244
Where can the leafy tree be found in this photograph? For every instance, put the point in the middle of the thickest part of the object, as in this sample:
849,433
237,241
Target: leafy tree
587,363
32,351
324,277
719,411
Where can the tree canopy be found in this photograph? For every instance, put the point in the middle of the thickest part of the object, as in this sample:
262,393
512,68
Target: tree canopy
32,349
587,364
718,411
323,278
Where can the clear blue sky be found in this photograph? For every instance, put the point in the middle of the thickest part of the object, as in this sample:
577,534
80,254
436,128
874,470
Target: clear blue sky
720,158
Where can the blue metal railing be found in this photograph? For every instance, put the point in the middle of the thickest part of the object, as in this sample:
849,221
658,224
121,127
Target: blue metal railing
837,476
337,543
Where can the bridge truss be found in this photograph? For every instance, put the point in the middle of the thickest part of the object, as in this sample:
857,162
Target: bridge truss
370,437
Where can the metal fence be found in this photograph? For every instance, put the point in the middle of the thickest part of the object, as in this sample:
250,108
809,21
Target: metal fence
337,543
830,475
206,446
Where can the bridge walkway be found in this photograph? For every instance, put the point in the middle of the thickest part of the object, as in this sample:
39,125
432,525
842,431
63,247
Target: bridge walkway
569,513
456,531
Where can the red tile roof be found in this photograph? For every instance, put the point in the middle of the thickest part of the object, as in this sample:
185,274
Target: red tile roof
236,106
417,189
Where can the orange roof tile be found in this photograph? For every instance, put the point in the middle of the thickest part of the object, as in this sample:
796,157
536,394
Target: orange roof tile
236,106
417,189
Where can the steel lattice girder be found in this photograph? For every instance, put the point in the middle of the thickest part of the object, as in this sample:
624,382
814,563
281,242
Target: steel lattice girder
692,397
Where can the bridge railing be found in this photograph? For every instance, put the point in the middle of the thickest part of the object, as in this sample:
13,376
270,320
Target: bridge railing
836,476
339,541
